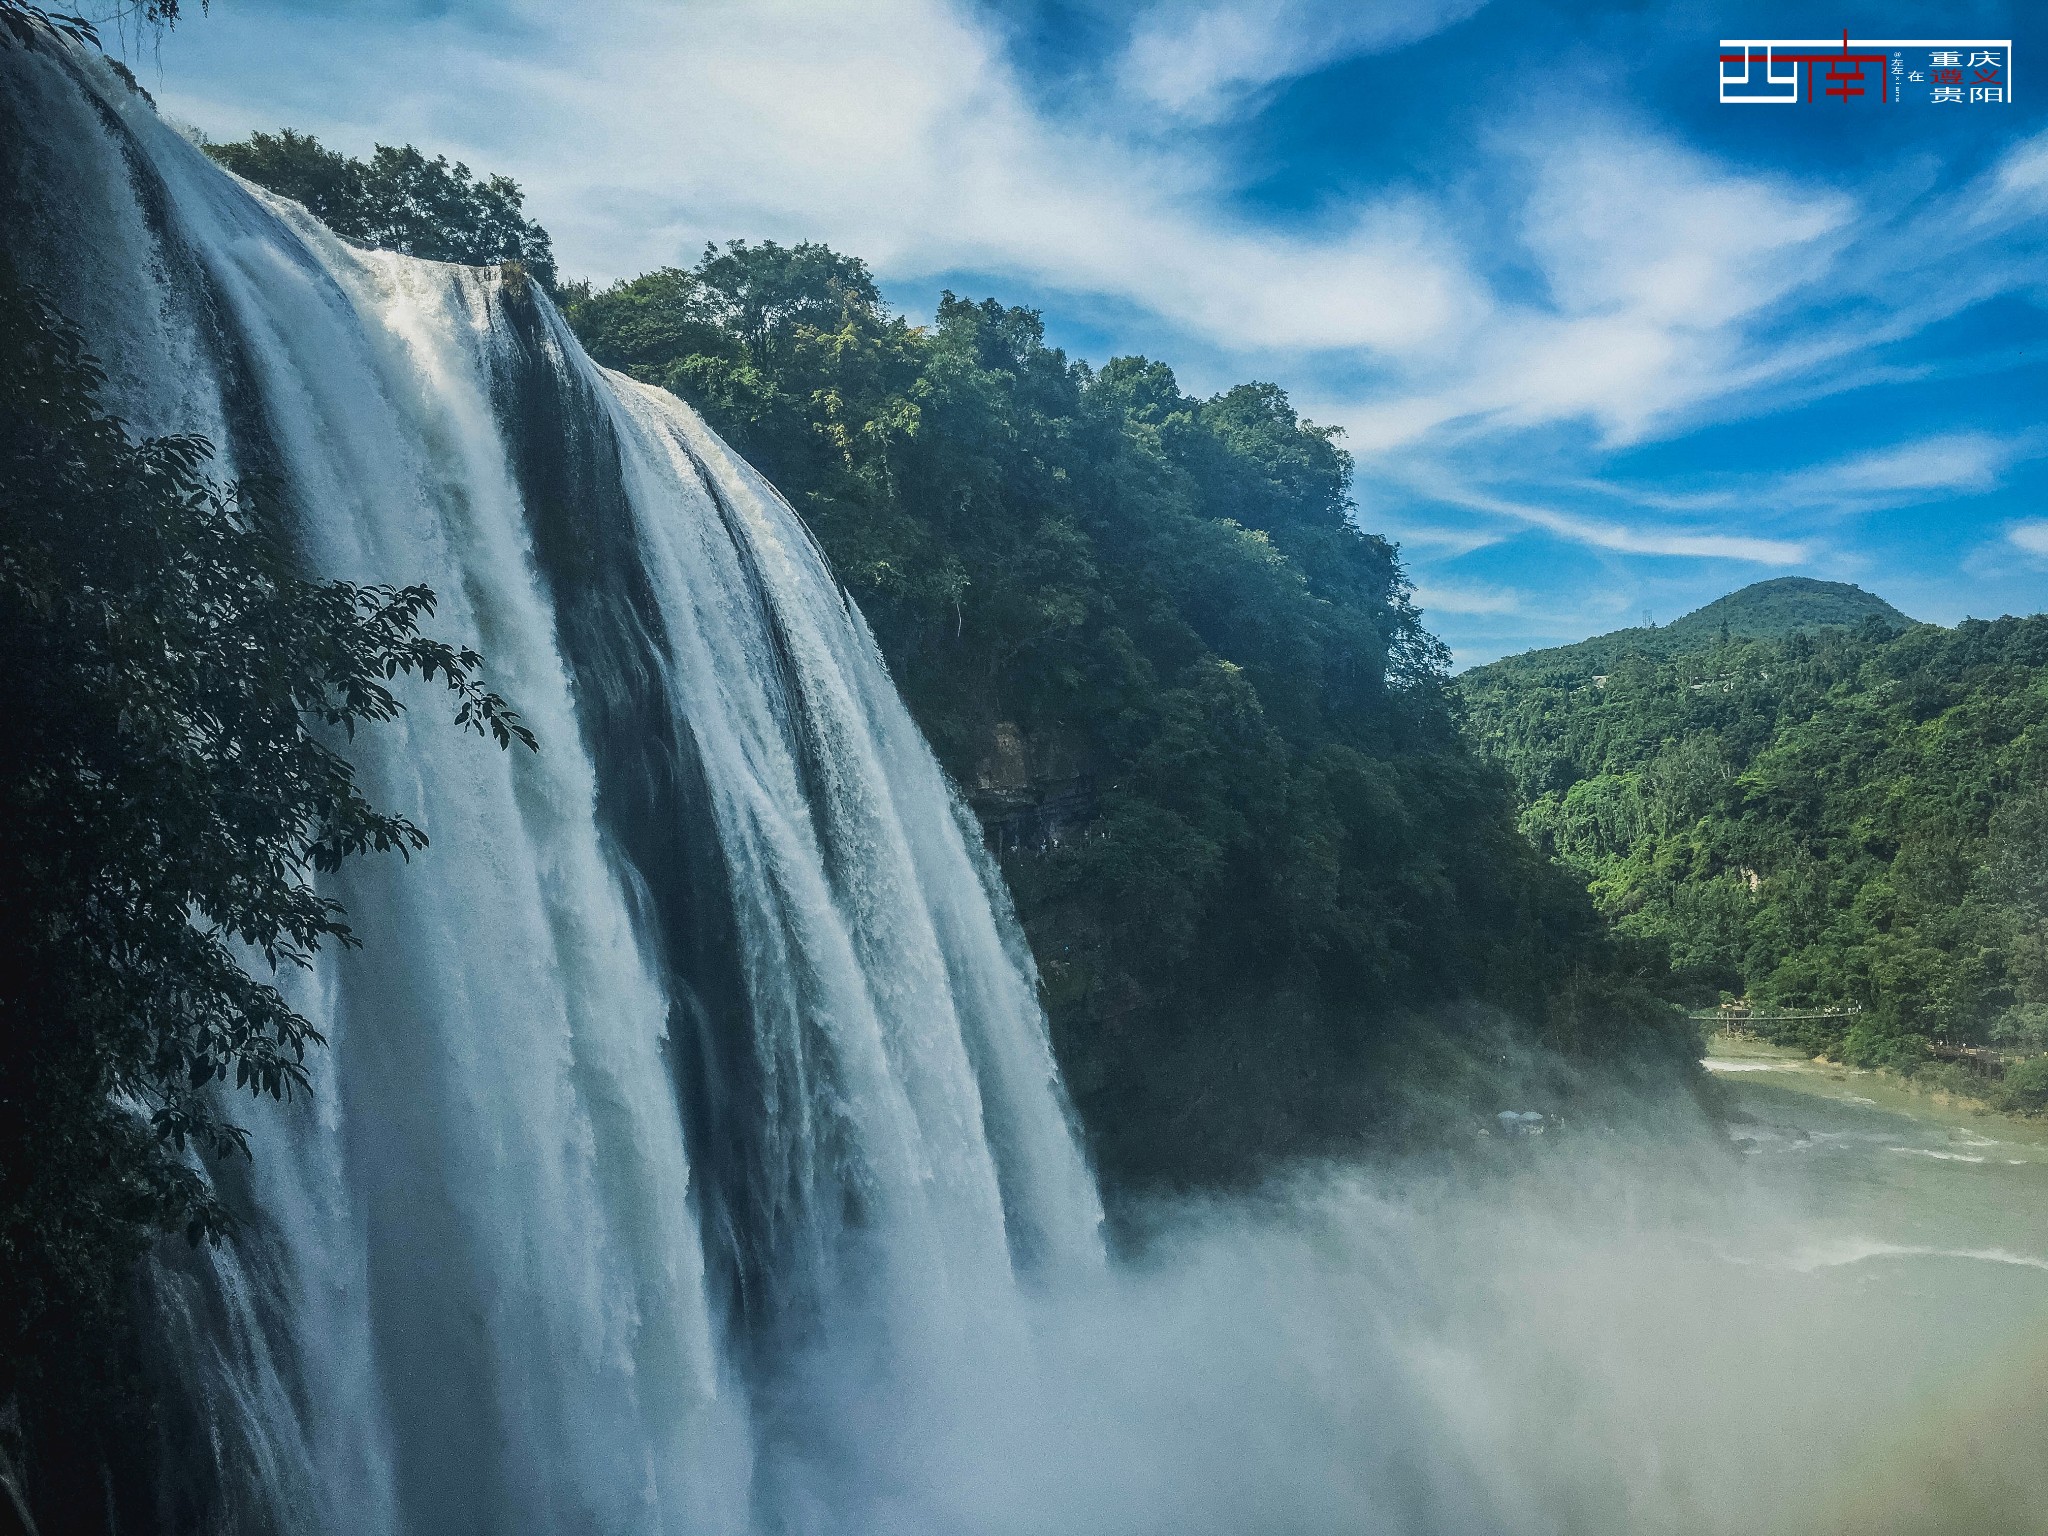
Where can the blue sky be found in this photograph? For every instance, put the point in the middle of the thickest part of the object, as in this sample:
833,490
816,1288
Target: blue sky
1603,347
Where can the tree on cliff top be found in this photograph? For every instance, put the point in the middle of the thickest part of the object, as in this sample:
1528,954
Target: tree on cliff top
398,200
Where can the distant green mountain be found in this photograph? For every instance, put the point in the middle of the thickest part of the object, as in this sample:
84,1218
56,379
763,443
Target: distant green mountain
1769,610
1805,799
1764,610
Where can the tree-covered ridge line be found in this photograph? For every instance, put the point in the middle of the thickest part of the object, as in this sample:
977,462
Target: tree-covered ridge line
1764,610
1841,818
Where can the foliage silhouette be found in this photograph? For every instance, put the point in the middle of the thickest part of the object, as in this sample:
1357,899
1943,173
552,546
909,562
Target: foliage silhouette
178,698
398,200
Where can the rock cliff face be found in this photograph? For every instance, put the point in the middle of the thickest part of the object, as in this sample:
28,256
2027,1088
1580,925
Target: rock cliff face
1032,793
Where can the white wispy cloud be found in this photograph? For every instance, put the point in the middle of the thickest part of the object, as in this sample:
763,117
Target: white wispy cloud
1437,540
2031,537
1624,538
897,130
1957,463
1203,59
1653,258
1449,597
901,130
1625,222
2017,184
1913,472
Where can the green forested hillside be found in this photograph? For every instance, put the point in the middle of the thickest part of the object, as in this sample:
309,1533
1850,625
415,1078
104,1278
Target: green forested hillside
1190,698
1838,818
1262,872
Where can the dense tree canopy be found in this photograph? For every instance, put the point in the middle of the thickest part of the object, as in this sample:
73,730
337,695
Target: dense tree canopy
1190,697
1763,610
1854,818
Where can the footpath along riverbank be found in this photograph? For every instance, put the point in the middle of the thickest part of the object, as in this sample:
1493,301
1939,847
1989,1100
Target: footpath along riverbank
1732,1056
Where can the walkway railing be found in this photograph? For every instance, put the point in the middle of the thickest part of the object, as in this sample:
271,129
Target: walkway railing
1739,1018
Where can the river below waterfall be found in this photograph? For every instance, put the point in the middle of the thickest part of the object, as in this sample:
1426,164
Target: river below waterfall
1926,1172
1924,1240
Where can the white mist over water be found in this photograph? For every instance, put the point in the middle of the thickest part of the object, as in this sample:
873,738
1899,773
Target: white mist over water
689,1156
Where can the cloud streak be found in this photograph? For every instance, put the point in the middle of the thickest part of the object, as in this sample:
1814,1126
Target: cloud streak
1448,598
1203,60
1915,472
902,131
1622,538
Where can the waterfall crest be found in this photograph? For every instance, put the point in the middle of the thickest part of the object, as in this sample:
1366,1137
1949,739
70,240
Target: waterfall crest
694,1031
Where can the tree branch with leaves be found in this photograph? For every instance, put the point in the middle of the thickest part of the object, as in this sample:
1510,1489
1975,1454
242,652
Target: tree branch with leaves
179,696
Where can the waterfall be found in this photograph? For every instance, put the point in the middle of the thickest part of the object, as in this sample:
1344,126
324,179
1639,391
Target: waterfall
688,1158
696,1034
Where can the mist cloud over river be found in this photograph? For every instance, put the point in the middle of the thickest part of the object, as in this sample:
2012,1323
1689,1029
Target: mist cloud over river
1827,1317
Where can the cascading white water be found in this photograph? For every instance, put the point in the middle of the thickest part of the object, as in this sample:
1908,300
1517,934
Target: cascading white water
632,1083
